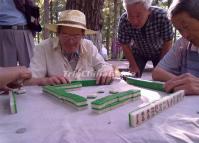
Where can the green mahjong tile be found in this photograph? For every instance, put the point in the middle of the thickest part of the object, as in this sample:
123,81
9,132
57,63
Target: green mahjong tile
111,105
106,99
64,86
146,84
86,82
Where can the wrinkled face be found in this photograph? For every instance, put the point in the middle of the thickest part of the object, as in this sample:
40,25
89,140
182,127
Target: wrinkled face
137,14
70,38
187,26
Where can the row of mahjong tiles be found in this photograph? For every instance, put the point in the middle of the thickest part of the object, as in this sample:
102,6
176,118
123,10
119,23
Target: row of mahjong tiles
103,104
113,101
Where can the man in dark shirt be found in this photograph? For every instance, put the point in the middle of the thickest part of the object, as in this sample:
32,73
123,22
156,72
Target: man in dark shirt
145,34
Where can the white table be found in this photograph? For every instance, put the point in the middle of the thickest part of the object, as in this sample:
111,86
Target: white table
46,120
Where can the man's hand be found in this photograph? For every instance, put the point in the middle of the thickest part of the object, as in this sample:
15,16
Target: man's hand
53,80
105,77
13,77
135,69
186,82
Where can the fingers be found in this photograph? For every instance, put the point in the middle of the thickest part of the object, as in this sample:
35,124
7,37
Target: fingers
171,84
63,79
104,78
135,71
5,89
57,80
185,82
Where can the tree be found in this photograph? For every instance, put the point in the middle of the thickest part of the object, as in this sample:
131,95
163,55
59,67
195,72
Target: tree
46,17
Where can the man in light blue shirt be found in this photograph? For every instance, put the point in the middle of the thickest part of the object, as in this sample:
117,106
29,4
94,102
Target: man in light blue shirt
17,43
10,15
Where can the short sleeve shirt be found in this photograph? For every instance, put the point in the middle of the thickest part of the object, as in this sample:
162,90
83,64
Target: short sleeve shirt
149,39
178,60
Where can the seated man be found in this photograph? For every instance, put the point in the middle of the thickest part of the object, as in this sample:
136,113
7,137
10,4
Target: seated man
180,67
13,77
69,56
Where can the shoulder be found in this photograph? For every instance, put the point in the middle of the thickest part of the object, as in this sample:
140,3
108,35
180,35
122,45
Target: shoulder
159,13
123,18
181,43
88,46
49,43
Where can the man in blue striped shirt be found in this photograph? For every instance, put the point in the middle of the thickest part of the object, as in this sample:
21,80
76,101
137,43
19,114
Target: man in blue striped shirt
180,66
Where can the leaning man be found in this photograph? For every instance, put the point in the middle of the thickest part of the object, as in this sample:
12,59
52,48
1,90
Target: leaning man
145,33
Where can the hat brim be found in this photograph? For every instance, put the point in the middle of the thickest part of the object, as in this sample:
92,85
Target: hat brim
53,28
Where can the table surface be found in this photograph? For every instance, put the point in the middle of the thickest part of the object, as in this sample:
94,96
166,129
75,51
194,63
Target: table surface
43,119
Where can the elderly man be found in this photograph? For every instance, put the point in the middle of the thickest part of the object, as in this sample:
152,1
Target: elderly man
69,56
145,34
180,66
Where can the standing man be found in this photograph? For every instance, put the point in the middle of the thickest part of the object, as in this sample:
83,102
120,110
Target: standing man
145,34
16,39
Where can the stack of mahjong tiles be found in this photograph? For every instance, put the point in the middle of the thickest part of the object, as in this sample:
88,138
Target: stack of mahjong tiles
59,91
140,115
155,85
114,100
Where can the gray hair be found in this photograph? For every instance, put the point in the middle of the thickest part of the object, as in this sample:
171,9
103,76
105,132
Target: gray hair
189,6
147,3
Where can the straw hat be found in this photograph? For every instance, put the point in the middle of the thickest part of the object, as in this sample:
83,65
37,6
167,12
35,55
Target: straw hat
71,18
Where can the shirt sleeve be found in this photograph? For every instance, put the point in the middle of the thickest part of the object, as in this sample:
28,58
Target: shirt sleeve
123,30
98,62
38,63
172,61
166,31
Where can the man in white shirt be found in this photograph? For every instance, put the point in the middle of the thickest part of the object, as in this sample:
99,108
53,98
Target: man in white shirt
69,56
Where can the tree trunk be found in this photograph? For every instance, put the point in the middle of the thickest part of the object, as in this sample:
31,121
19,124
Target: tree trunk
46,17
108,30
115,48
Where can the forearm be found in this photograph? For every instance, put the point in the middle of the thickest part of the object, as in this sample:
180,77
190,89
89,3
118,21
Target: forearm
35,81
128,54
160,74
7,76
165,48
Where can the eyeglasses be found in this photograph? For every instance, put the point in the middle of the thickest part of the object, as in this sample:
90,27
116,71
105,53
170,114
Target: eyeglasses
71,37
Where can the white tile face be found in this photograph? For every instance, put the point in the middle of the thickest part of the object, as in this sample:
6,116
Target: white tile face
147,112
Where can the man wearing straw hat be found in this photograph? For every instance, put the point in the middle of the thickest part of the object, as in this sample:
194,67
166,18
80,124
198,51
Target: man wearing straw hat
69,56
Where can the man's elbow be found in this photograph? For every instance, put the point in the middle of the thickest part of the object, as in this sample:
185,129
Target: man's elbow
155,74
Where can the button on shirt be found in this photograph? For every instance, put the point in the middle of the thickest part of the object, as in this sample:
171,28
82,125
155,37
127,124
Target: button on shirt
149,39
